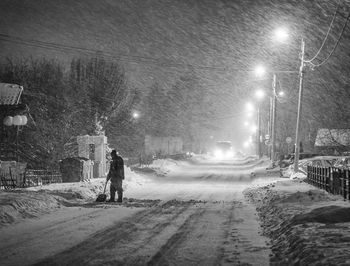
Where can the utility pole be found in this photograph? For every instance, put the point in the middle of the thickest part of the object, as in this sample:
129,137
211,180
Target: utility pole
297,137
273,120
258,135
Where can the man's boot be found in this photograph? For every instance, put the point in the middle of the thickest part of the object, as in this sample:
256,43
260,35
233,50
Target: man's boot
120,197
111,199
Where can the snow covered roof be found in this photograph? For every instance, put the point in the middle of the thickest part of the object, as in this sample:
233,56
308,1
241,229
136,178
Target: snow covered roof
10,94
332,137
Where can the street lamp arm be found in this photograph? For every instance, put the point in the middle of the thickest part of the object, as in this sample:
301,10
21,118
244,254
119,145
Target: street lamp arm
285,71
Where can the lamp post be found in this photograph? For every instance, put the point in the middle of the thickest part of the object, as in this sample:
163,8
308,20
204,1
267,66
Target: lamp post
259,71
281,35
258,134
297,137
250,108
259,94
18,120
273,118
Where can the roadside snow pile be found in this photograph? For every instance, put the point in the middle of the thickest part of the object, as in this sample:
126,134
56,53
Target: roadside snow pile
76,190
298,175
88,190
33,202
18,205
306,225
162,167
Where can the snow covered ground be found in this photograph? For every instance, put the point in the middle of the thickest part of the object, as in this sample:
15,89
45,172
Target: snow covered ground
178,212
306,225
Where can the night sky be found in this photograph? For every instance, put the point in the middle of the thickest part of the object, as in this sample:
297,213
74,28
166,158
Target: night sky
218,42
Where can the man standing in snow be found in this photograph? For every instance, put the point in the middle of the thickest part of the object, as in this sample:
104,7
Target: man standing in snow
116,175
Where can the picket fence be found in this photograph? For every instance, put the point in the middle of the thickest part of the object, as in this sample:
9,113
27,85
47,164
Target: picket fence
332,179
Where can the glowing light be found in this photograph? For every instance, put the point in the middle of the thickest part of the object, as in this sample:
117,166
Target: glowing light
254,128
223,155
259,94
250,107
135,115
246,123
260,71
281,93
281,34
218,154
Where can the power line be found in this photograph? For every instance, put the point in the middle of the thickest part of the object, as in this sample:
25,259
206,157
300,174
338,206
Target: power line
326,37
119,56
335,46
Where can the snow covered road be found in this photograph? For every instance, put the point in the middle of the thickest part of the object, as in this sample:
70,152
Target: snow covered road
189,214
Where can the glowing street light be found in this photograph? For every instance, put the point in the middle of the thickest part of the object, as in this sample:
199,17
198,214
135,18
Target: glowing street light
135,115
254,128
281,34
260,71
259,94
250,107
246,144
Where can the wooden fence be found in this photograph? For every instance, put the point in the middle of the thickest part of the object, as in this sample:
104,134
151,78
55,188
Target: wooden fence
30,178
331,179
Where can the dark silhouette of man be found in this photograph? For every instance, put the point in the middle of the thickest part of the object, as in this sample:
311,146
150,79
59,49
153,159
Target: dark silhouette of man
116,175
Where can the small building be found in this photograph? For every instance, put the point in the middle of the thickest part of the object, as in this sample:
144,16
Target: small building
89,147
163,145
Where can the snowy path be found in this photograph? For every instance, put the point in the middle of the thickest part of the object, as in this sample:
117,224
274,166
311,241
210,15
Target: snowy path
194,222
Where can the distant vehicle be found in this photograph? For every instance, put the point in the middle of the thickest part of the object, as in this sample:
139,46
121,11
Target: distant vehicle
223,150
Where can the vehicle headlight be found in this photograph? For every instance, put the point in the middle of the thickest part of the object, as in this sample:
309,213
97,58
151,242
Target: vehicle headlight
230,154
218,153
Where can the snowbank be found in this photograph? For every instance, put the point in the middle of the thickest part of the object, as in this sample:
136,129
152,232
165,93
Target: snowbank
306,225
33,202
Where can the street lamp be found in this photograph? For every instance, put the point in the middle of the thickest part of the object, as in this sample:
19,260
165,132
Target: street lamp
297,137
250,108
259,94
259,70
281,34
135,115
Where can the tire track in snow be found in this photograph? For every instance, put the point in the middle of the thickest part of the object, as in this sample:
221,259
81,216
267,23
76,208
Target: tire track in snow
11,246
200,240
130,242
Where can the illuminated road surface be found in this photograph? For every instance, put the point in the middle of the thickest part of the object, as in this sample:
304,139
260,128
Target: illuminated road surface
196,215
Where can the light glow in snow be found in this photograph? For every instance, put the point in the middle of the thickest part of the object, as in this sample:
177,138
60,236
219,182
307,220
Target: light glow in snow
281,34
259,94
260,71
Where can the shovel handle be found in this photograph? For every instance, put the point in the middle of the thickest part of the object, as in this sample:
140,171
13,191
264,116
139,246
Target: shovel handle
104,190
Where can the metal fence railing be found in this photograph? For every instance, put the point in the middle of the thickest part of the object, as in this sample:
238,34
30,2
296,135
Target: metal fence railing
41,177
331,179
30,178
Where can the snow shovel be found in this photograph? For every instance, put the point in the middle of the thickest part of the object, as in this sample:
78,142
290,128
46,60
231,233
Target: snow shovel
102,197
